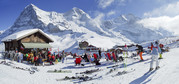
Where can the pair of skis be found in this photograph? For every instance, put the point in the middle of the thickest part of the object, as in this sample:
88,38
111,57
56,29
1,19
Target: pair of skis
59,71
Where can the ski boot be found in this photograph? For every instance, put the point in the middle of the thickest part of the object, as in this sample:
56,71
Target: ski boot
160,58
157,67
151,69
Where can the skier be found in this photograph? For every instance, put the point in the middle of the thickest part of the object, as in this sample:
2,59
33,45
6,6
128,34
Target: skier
161,49
78,61
140,51
125,50
109,55
63,56
6,54
151,47
51,60
86,58
95,56
12,55
53,57
99,53
35,60
114,56
40,60
16,56
20,56
154,53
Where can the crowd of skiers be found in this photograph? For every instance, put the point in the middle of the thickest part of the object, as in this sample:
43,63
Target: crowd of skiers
59,57
96,56
21,57
155,51
38,58
35,58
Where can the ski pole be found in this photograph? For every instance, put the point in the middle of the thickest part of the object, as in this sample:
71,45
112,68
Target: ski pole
126,61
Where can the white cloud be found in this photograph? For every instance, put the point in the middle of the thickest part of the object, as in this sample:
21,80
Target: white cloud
111,13
166,16
166,22
165,10
98,17
105,3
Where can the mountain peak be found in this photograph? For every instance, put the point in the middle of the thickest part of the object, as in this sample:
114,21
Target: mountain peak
76,13
77,10
131,17
31,6
126,18
29,16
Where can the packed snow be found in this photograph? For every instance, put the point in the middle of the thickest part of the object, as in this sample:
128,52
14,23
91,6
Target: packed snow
70,28
137,71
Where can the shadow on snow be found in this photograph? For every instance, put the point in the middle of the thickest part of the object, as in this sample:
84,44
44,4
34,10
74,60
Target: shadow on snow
143,78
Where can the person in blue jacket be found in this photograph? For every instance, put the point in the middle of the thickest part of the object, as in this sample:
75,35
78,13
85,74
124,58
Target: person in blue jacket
155,51
39,61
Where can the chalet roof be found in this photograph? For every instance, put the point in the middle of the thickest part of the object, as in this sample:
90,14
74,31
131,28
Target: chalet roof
21,34
91,46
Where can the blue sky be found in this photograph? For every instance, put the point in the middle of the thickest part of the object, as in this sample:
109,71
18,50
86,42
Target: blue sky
11,9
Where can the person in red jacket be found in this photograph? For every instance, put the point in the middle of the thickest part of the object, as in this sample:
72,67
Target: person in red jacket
78,61
151,47
35,60
53,57
95,56
114,56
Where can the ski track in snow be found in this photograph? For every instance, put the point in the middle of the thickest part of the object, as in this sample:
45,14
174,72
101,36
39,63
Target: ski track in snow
167,74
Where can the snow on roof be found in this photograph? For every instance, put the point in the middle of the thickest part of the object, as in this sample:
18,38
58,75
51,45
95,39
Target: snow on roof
24,33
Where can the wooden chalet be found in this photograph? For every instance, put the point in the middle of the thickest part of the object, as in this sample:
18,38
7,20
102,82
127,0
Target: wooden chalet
83,45
92,48
27,40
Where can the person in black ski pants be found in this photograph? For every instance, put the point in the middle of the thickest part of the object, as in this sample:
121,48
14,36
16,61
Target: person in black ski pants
99,53
140,51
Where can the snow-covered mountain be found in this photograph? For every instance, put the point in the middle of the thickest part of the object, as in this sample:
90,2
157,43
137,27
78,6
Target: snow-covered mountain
67,29
127,25
171,42
1,32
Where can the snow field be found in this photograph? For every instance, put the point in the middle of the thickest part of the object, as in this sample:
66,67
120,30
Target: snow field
169,71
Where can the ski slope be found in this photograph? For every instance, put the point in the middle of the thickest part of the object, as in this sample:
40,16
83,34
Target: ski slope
137,71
